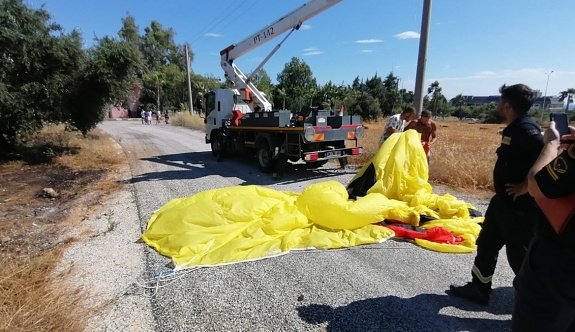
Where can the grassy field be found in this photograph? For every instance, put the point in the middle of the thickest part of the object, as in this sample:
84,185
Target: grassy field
462,158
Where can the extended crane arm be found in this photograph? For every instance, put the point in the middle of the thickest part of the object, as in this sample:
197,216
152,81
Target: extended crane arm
291,21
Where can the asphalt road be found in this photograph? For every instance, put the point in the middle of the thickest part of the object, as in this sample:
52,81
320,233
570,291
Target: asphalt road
393,286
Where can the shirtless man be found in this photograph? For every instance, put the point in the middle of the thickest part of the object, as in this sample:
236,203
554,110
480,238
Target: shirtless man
427,128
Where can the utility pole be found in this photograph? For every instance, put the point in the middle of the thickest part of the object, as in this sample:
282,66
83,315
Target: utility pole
545,94
422,58
189,79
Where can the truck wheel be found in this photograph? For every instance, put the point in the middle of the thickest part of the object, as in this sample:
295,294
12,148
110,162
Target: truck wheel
342,162
217,144
316,164
264,156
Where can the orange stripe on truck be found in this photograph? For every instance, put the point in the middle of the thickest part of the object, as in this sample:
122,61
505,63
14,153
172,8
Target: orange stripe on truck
319,137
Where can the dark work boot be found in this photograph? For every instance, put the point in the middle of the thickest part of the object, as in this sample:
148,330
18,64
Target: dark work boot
471,292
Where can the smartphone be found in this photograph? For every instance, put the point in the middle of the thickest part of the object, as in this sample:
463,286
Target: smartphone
561,123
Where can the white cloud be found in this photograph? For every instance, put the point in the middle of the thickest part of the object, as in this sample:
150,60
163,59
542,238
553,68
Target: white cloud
312,51
407,35
212,34
367,51
305,27
484,74
368,41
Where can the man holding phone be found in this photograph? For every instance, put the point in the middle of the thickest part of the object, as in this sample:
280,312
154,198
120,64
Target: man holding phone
544,287
561,123
511,215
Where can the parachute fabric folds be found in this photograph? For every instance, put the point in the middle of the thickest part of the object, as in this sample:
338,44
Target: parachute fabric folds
234,224
401,173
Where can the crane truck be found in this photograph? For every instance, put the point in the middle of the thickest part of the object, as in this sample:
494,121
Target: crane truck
242,120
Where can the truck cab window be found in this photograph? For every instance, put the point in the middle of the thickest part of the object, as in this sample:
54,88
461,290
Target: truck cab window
210,102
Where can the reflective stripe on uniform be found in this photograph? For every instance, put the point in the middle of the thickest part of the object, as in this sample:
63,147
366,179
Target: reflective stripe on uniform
475,270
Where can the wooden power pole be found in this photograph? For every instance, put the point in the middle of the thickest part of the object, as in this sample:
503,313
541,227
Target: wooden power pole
189,79
422,58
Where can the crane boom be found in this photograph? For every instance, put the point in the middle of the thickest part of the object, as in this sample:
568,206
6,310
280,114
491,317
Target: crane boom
291,21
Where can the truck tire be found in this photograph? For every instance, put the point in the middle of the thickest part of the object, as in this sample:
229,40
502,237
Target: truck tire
217,144
316,164
264,156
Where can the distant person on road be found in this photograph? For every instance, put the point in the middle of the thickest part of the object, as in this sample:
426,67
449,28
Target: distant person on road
167,117
396,123
148,117
545,287
158,117
427,128
143,115
512,213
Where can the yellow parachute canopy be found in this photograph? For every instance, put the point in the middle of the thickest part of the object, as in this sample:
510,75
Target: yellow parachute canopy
243,223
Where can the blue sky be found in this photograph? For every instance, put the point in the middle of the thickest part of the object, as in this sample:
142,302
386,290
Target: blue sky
474,46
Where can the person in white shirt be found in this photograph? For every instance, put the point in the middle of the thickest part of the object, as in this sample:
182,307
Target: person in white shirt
396,123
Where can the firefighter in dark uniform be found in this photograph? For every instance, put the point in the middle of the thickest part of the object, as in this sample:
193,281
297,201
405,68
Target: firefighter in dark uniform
511,215
545,285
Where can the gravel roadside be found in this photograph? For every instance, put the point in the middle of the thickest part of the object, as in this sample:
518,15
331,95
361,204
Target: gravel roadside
108,264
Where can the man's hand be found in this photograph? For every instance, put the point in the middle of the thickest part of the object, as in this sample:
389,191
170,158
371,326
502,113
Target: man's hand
551,134
516,189
567,140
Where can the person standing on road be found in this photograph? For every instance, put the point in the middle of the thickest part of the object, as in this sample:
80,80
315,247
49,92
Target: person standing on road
143,115
512,213
148,117
396,123
427,128
545,287
167,117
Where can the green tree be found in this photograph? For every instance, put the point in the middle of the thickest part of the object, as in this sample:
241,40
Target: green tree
159,48
459,101
175,86
437,98
106,78
330,96
37,65
407,96
153,86
130,31
280,95
375,87
568,96
392,96
264,83
298,82
366,106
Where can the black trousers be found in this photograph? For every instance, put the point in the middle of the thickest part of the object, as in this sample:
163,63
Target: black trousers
545,289
508,225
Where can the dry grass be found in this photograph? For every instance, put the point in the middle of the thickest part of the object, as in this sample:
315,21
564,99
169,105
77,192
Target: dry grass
462,158
185,119
71,149
464,155
30,244
29,303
